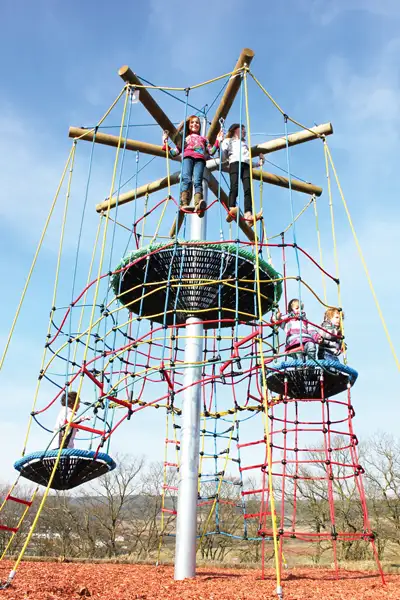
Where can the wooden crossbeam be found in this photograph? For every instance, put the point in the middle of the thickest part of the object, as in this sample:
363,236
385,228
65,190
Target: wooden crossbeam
89,135
280,181
245,58
212,164
299,137
265,148
148,188
178,222
160,184
150,104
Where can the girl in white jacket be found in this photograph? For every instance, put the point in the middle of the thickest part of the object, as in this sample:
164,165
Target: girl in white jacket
236,151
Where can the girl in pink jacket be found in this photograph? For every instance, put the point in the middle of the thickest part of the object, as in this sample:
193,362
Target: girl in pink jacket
298,331
195,152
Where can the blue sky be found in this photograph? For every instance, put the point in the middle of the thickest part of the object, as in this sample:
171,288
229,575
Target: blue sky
321,61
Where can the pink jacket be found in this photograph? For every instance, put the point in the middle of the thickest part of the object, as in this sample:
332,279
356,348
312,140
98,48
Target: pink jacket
196,146
298,331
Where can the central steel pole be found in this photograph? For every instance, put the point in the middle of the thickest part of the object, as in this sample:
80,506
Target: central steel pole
186,523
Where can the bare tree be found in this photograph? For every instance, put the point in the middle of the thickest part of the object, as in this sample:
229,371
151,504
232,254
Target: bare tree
381,456
106,506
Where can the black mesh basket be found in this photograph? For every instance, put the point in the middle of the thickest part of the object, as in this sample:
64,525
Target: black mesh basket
304,378
74,468
214,282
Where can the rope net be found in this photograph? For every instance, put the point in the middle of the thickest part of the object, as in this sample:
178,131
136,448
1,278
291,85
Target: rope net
276,430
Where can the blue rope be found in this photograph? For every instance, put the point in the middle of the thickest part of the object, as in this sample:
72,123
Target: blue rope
87,454
296,250
171,95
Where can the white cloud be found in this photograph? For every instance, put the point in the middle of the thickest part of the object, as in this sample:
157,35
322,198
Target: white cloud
363,107
325,12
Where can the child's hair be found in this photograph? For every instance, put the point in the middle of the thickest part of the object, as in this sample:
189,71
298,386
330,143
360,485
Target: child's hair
331,312
69,399
232,130
290,305
181,125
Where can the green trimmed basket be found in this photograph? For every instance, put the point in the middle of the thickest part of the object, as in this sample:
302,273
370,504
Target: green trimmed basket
167,283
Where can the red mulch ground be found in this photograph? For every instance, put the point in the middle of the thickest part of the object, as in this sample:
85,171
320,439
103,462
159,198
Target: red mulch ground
72,581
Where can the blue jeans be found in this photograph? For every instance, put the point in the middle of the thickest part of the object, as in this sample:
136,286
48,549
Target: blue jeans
193,168
324,354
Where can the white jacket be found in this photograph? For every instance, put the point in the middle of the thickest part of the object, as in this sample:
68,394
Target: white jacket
235,150
63,418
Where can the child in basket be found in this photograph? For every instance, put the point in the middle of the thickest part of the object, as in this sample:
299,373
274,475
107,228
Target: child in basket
298,331
63,418
330,346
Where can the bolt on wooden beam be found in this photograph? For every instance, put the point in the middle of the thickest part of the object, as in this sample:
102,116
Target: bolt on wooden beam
150,104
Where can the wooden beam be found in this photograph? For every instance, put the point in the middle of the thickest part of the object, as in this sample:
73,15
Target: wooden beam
178,221
148,188
177,224
297,186
150,104
213,163
293,139
113,140
161,184
280,143
246,56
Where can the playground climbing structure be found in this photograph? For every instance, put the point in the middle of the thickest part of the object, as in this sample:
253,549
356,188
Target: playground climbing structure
166,316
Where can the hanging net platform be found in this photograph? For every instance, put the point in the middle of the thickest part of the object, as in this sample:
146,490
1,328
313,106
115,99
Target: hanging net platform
168,284
310,379
75,467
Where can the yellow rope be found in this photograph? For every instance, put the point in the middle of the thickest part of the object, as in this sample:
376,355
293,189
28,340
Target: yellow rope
281,109
278,235
183,89
28,279
24,513
88,280
335,250
364,264
160,220
70,157
264,379
231,74
104,116
9,493
321,262
53,304
262,209
167,157
72,416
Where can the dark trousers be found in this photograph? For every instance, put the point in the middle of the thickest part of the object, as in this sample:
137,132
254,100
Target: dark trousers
245,177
